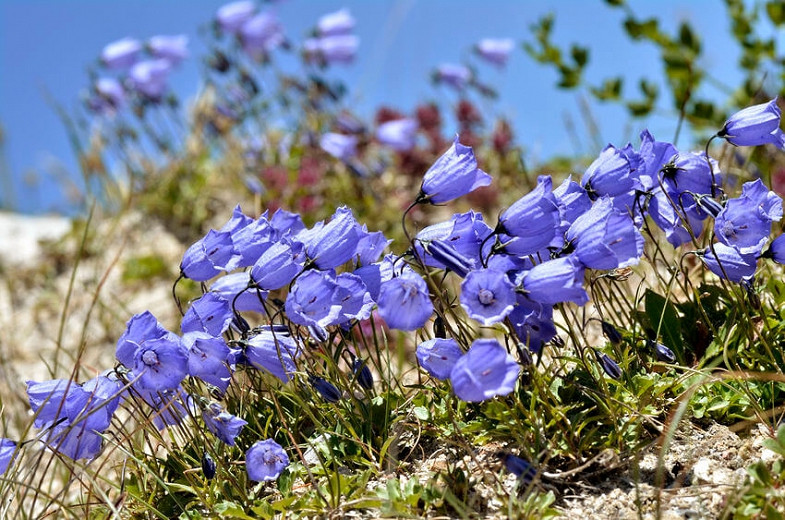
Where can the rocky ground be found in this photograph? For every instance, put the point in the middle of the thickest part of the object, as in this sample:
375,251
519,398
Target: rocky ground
699,473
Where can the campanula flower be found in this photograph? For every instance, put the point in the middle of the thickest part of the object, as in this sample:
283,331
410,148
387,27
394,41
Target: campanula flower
572,199
438,356
208,358
453,175
7,450
776,250
149,78
108,96
224,425
666,217
371,246
519,467
495,50
755,125
654,155
121,54
326,389
534,219
210,313
398,134
614,173
265,461
456,76
487,296
661,352
404,302
274,352
169,405
532,322
261,34
284,222
352,296
485,371
613,335
208,466
727,262
251,238
210,255
232,16
279,264
340,146
362,373
556,281
339,22
161,364
171,48
139,329
463,233
310,300
336,242
689,172
340,48
229,286
605,238
609,366
442,254
745,222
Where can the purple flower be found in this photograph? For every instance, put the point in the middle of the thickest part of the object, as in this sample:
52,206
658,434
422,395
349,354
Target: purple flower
453,175
776,250
445,256
208,359
463,233
229,286
609,366
339,22
605,238
745,222
210,313
336,242
457,76
353,297
399,134
265,460
139,329
310,301
532,322
278,265
251,238
661,352
224,425
614,173
326,389
261,34
519,467
485,371
55,400
108,96
556,281
404,302
168,405
103,397
726,262
666,217
371,246
689,172
755,125
362,373
654,155
487,295
340,146
206,258
284,222
121,54
534,220
7,451
572,199
438,356
161,364
340,48
495,51
274,352
149,78
231,17
171,48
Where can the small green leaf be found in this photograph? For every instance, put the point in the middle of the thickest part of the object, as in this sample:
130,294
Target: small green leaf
422,413
776,12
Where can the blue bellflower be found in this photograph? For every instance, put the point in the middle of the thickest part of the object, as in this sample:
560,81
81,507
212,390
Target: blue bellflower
232,16
404,302
745,222
495,50
556,281
534,220
487,296
7,451
208,358
222,424
338,22
336,242
274,352
438,356
326,389
453,175
210,313
261,34
614,173
310,301
726,262
755,125
279,265
533,322
398,134
209,256
485,371
265,461
228,287
161,364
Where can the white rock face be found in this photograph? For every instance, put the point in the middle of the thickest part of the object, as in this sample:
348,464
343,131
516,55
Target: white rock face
20,236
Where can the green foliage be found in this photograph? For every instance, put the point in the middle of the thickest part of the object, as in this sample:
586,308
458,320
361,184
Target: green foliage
763,493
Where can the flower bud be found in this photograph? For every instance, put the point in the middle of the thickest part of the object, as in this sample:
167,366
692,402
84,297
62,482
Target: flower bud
610,366
208,466
362,373
613,335
327,390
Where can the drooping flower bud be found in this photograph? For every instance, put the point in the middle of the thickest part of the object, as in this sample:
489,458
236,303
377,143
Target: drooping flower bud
326,389
208,466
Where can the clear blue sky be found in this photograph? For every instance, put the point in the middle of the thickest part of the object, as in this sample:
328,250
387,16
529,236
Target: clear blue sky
46,46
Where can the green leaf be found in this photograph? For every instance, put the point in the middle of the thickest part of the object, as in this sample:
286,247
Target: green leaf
580,55
231,510
422,413
688,38
776,12
610,89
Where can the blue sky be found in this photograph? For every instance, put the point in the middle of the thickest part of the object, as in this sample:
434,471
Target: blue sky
47,45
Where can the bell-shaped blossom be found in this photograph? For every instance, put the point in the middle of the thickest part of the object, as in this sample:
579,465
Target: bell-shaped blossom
661,352
265,461
121,54
140,329
7,451
556,281
614,173
224,425
336,242
103,397
161,364
230,286
340,48
495,50
453,175
654,155
404,302
727,262
232,16
370,246
274,352
487,296
353,297
149,78
755,125
55,400
605,238
666,217
208,358
310,300
464,233
107,97
210,313
261,34
251,239
326,389
745,222
609,366
171,48
572,199
689,172
454,75
485,371
519,467
342,147
534,220
442,254
398,134
362,373
210,255
279,265
338,22
532,322
776,250
438,356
